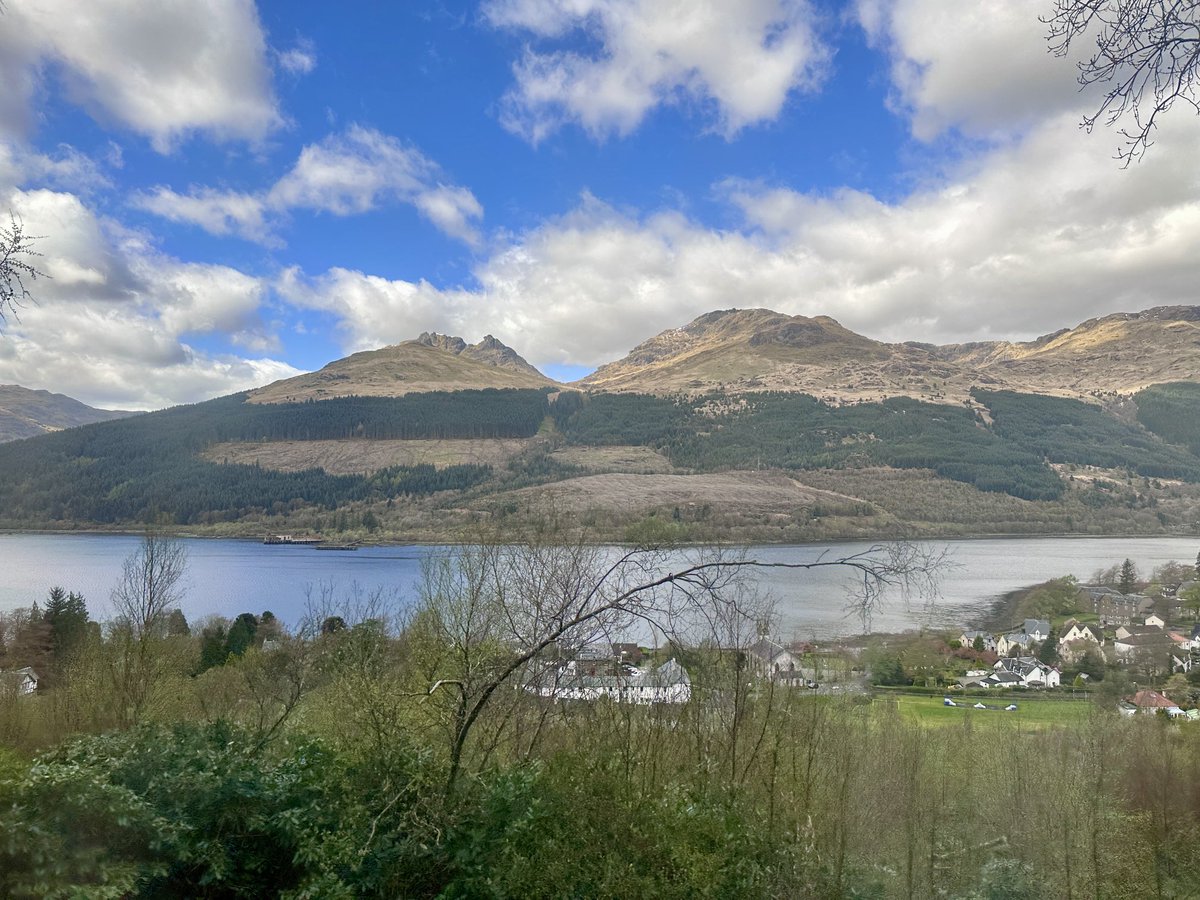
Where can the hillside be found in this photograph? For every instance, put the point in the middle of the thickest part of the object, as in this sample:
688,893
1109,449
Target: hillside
1120,353
27,413
741,351
432,362
731,428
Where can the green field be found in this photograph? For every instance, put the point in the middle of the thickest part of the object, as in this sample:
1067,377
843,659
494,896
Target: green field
1031,712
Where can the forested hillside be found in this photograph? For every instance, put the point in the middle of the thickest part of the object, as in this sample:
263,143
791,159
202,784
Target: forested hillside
147,469
150,468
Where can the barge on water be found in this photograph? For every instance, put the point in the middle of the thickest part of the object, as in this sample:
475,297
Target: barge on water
291,539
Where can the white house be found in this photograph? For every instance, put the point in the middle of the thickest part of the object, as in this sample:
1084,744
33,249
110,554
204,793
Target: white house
669,683
1031,672
1077,639
1039,629
769,657
1016,642
1156,621
967,639
23,681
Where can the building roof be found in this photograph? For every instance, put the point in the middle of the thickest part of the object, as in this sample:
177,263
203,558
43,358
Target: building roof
766,649
1147,699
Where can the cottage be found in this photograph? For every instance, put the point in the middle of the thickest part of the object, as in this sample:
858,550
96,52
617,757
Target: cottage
1148,702
1016,642
1077,639
22,682
1031,672
669,683
1039,629
770,658
967,639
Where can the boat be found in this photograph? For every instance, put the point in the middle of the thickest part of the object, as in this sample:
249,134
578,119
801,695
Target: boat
291,539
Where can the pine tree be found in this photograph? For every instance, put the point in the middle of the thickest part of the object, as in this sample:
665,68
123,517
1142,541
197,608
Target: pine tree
1128,577
67,617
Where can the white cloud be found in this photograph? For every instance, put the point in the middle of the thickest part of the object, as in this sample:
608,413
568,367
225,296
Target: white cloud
976,65
742,58
217,212
344,174
299,60
66,168
452,209
116,322
163,68
1030,238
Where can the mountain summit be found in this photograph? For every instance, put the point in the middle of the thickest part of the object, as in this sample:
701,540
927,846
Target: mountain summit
432,362
489,350
742,350
26,413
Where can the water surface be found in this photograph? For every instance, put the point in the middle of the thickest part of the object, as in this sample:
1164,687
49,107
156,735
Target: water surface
226,577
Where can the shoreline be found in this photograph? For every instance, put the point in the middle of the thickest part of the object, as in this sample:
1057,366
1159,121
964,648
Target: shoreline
682,545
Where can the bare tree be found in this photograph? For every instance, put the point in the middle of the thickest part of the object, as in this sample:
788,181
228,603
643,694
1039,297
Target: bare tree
501,610
17,270
150,587
1146,57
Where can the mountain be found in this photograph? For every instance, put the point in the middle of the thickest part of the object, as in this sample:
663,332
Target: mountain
740,351
27,413
432,362
1121,353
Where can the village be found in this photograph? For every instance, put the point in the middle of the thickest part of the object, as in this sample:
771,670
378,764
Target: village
1136,651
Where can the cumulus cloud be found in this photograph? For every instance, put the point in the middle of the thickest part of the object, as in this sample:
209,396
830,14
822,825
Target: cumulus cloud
1040,234
163,68
116,322
299,60
217,212
985,69
344,174
66,167
740,58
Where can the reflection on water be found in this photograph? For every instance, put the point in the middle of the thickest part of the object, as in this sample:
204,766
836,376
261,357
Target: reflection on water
227,577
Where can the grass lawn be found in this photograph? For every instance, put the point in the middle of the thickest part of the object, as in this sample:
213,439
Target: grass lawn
1031,712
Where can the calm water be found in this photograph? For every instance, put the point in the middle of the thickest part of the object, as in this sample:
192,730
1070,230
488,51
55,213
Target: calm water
226,577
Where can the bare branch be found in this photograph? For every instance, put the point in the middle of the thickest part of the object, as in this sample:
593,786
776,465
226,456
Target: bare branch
17,271
1146,57
501,608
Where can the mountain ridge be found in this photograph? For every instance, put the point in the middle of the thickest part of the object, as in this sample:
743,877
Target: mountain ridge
747,350
431,362
26,412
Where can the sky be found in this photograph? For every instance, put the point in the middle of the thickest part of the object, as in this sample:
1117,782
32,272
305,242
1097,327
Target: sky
227,192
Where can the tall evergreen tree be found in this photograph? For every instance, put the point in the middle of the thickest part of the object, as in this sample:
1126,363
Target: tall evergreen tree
241,634
67,617
1048,653
1128,577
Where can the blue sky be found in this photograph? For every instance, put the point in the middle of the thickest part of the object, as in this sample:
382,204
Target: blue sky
231,192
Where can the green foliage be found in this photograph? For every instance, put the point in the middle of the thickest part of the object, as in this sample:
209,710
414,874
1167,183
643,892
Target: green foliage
555,832
1048,652
1057,597
1071,431
241,634
190,811
145,467
1128,578
654,531
1170,411
886,668
213,641
797,431
67,616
